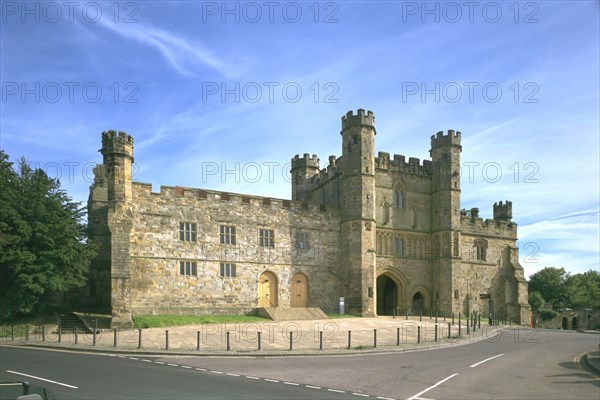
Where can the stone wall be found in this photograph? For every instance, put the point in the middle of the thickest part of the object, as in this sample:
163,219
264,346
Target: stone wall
158,286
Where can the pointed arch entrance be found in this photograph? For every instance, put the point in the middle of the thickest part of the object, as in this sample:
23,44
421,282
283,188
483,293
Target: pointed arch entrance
390,291
418,303
267,290
299,292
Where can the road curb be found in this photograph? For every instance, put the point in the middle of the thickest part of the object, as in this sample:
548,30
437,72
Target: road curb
590,365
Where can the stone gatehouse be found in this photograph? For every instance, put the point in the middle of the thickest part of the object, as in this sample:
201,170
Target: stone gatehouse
385,233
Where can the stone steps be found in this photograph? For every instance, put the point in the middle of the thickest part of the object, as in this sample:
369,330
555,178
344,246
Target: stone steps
291,313
68,323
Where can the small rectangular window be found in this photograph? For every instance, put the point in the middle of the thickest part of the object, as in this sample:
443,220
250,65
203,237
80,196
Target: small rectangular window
398,246
227,270
266,237
302,241
227,234
188,268
187,231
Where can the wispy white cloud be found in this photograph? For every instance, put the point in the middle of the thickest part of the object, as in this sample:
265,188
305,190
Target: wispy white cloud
183,54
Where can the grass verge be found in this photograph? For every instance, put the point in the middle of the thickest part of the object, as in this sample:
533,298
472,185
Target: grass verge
158,321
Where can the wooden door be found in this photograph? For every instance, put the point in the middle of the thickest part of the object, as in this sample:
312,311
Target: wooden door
267,290
299,290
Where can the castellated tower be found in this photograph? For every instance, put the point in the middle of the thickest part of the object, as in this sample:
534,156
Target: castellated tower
303,168
503,212
357,192
117,154
445,218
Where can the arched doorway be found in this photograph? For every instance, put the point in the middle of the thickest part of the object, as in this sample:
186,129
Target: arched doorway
299,295
565,323
267,290
387,295
418,303
575,323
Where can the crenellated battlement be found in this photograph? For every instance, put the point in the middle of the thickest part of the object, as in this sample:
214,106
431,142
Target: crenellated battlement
114,142
487,227
360,119
452,138
503,211
399,164
305,161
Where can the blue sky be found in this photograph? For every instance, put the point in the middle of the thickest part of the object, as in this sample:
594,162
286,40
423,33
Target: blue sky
222,96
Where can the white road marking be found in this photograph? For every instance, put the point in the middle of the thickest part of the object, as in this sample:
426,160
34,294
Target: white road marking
291,383
361,394
185,366
133,358
159,362
147,361
487,359
271,380
312,387
230,374
201,369
41,379
216,372
252,377
172,365
416,396
336,391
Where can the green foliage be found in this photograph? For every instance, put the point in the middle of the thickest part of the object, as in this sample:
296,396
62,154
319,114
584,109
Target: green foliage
556,286
547,315
44,252
536,300
157,321
550,283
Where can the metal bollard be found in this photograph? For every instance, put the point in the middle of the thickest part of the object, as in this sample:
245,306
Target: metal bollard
43,333
418,334
468,325
374,337
291,341
397,336
320,340
227,339
436,332
94,338
449,331
459,325
115,337
139,338
197,340
259,341
349,339
76,335
166,340
59,333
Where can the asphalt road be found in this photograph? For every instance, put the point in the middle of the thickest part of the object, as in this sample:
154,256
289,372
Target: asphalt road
517,364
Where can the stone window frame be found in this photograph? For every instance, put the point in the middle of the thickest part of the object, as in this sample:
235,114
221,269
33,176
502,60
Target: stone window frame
227,270
398,246
188,231
480,249
302,240
266,237
227,234
188,268
399,200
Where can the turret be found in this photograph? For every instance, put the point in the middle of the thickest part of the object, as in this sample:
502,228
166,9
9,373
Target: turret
357,194
503,211
303,168
117,153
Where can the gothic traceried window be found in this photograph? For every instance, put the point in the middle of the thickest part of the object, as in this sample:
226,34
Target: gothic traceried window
480,250
398,201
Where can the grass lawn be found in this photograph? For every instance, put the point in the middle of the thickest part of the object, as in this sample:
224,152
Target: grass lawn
158,321
334,316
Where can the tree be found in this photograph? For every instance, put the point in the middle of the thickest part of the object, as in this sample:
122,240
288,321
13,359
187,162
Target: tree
535,300
584,290
551,284
44,249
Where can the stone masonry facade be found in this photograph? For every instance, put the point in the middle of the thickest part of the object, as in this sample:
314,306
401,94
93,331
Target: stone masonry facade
385,234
